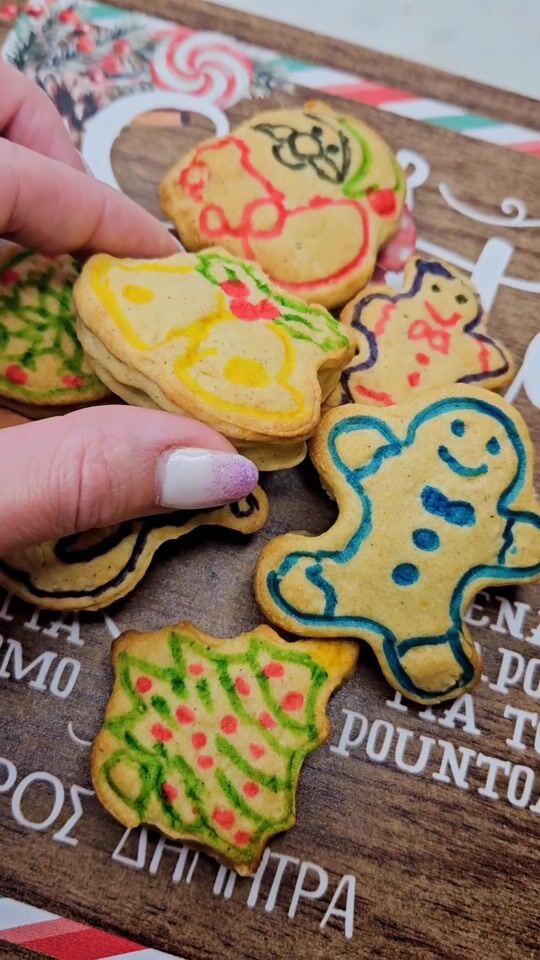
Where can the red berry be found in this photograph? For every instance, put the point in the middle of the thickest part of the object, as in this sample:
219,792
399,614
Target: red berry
111,65
294,700
223,817
169,792
143,684
74,382
15,374
229,724
273,669
185,715
122,47
241,838
382,202
250,789
161,733
235,288
85,45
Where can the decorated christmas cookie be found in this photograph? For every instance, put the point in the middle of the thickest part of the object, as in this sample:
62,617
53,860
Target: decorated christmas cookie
309,193
430,333
41,361
205,738
435,503
91,570
209,336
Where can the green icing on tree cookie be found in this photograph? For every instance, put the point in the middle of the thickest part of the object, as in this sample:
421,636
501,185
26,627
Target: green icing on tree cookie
209,744
41,359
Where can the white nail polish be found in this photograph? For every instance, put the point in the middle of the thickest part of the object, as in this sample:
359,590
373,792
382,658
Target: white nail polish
188,478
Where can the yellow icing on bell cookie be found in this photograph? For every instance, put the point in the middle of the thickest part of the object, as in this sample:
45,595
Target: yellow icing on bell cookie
207,334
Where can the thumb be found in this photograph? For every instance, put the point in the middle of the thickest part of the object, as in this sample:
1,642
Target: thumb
105,464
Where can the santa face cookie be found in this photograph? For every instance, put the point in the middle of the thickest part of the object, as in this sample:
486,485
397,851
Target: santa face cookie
435,503
308,193
207,335
431,333
204,738
41,360
88,571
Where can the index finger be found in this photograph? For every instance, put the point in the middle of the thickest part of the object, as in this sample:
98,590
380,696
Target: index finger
29,117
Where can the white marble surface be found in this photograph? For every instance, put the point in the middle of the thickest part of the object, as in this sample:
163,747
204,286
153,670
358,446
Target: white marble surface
495,41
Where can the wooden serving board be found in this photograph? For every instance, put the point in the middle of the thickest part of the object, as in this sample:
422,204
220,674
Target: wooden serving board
418,831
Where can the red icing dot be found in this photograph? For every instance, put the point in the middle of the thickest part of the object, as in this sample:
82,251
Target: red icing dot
199,740
382,202
273,670
223,817
9,276
229,724
122,47
422,358
256,751
294,700
169,792
15,374
85,45
205,762
243,309
185,715
143,684
196,669
250,789
111,65
161,733
235,288
267,310
414,378
68,16
241,838
242,686
71,381
267,720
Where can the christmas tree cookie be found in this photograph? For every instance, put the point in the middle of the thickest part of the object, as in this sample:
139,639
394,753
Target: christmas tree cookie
205,738
41,361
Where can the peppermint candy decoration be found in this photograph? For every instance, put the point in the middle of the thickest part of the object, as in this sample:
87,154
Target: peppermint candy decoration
202,64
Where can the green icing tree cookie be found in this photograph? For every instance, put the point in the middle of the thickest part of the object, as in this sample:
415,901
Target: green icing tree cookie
205,738
41,360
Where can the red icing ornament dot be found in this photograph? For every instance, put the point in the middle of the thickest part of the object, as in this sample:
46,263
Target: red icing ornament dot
423,359
224,818
267,720
85,45
292,701
196,669
111,65
242,687
250,789
185,715
229,724
121,47
382,202
169,792
15,374
161,733
242,838
205,762
273,669
143,684
199,740
256,751
235,288
9,276
414,378
74,382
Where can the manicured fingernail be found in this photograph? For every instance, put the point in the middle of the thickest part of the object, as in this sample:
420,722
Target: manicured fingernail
189,478
177,242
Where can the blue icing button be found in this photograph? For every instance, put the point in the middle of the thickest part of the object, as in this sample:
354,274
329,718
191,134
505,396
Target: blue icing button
493,446
457,427
405,574
426,539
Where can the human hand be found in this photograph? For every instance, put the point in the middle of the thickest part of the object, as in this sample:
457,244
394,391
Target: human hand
98,466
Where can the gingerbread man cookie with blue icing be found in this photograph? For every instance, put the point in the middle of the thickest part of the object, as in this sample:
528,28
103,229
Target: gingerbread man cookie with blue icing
436,502
430,333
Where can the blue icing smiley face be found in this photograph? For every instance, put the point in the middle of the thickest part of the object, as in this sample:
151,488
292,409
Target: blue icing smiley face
428,502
